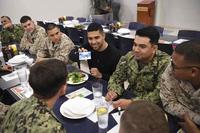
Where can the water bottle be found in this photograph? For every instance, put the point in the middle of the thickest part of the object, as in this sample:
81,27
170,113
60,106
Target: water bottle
90,18
2,61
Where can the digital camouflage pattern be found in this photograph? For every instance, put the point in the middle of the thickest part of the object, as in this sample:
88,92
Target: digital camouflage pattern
59,51
3,110
179,96
144,83
33,41
31,115
10,36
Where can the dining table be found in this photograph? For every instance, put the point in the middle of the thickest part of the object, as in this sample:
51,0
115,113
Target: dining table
83,125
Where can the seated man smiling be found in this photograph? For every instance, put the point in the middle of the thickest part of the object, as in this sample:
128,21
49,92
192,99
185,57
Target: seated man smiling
142,67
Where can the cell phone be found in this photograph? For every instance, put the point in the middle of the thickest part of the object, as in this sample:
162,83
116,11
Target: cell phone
85,55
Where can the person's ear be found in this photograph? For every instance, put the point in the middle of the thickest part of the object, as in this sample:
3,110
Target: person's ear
155,46
195,72
63,89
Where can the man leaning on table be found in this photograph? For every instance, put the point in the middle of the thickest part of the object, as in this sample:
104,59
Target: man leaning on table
142,67
33,36
56,45
35,114
180,85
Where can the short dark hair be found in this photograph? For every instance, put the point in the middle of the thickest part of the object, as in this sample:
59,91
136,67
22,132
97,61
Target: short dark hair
51,26
6,17
24,19
150,32
143,117
190,50
46,77
95,27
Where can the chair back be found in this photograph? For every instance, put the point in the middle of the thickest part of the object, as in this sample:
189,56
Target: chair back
73,34
41,23
69,17
126,44
167,48
188,34
135,26
81,19
160,29
62,29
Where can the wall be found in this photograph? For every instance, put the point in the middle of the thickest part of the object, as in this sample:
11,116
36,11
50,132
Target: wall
43,9
182,14
170,13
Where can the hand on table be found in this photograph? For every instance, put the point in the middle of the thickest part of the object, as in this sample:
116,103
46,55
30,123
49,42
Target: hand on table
188,125
95,72
7,68
111,95
123,103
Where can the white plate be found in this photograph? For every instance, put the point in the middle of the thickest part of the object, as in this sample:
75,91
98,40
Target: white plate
123,31
85,79
18,59
77,108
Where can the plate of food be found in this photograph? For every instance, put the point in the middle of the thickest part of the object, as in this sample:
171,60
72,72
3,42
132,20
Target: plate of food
75,78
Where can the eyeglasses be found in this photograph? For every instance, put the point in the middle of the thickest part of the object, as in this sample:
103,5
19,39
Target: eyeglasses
184,67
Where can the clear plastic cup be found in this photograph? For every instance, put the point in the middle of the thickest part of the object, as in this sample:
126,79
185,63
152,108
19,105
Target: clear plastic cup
102,115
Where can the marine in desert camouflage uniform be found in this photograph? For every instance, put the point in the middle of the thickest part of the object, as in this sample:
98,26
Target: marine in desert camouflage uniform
142,67
33,37
10,33
56,45
180,83
35,114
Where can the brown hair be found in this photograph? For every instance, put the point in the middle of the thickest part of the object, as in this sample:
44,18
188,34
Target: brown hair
143,117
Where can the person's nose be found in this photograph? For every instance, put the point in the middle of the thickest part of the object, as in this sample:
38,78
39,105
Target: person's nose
136,49
93,41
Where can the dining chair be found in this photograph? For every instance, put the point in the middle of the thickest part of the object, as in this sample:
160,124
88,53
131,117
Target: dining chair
73,34
81,19
126,44
41,23
1,27
160,29
113,40
69,17
99,21
188,34
62,29
167,48
135,26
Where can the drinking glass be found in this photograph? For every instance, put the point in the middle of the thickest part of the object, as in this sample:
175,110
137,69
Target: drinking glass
23,77
102,115
97,92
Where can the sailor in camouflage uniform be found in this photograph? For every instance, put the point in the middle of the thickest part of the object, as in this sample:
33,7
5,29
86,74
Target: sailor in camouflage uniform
35,114
33,36
142,67
3,110
56,45
180,83
10,34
